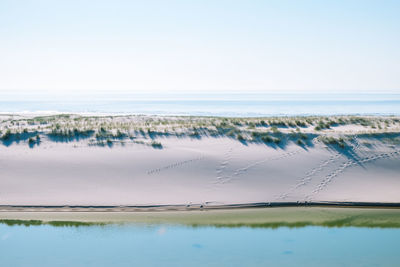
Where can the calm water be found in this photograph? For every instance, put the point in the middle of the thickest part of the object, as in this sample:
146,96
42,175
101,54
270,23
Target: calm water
214,105
163,245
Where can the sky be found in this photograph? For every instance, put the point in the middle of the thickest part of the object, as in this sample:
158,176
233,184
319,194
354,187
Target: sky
160,46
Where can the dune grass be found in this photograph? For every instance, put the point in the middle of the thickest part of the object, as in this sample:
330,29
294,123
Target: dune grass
268,130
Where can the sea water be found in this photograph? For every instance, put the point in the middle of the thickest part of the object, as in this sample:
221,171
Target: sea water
174,245
237,105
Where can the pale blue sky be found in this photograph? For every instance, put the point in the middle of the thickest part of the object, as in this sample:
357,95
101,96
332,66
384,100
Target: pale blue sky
195,46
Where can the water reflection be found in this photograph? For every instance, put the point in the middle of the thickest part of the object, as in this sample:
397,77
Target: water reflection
83,244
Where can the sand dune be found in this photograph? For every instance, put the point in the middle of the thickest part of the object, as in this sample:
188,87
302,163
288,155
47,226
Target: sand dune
205,171
62,174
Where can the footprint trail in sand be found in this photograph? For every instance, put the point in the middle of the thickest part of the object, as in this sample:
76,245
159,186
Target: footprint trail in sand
221,169
243,170
350,163
307,178
174,165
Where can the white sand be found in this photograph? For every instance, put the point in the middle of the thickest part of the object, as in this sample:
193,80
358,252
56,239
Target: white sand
210,171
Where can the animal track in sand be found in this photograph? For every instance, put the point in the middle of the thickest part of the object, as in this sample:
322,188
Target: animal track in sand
243,170
350,163
174,165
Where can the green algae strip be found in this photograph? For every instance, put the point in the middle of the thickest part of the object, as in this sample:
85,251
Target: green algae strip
256,217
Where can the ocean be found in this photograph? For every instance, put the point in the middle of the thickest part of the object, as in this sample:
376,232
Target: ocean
232,105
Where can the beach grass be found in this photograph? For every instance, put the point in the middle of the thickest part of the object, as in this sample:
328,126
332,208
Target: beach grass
104,130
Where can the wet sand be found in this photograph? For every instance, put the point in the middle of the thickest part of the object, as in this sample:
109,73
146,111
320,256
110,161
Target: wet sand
251,217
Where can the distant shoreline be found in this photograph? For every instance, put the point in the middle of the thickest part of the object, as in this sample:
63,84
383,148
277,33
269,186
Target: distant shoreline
222,106
29,113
